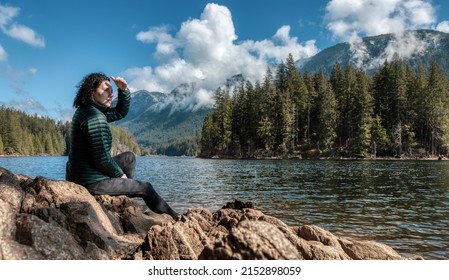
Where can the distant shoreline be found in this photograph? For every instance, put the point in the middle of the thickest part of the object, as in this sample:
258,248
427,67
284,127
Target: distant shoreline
404,158
293,157
40,155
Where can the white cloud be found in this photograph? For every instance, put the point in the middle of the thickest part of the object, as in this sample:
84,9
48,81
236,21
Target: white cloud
3,54
350,20
19,78
280,46
359,51
7,14
18,31
443,26
32,71
373,17
25,34
166,44
205,51
405,45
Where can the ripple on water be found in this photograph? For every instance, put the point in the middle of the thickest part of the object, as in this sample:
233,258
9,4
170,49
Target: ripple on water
404,204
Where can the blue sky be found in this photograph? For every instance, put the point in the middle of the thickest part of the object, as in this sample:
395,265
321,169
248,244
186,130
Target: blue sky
46,46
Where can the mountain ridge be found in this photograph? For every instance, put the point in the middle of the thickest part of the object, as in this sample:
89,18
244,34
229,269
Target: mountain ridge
169,123
416,47
158,126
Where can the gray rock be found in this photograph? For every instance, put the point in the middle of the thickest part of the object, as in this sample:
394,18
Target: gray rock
50,241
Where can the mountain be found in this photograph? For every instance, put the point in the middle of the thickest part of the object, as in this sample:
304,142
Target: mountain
170,124
143,100
159,127
419,47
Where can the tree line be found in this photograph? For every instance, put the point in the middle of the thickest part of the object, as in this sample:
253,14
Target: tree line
23,134
399,111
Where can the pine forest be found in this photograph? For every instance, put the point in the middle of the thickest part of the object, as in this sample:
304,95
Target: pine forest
22,134
397,112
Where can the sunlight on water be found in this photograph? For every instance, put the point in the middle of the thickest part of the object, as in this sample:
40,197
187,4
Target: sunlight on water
404,204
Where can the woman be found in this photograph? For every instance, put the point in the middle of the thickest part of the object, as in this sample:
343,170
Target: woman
90,163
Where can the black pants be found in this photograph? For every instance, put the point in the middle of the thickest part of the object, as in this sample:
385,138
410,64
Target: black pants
131,187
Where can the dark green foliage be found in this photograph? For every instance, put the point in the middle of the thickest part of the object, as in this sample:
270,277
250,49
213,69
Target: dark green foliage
399,111
187,146
22,134
123,137
327,114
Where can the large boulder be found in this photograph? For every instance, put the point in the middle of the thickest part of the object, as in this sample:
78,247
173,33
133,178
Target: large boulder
48,219
248,234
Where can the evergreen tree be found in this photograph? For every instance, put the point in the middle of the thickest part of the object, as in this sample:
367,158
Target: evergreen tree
418,111
121,136
398,106
266,132
30,144
283,115
397,112
390,95
223,118
253,115
438,110
1,144
380,91
363,112
380,142
311,110
266,129
240,126
298,95
34,135
338,82
327,113
287,119
281,77
48,144
259,99
13,137
209,136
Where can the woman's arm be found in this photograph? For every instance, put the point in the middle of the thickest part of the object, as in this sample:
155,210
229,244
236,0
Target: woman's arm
124,99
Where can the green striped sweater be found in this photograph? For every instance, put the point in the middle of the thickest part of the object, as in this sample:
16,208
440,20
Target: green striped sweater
90,159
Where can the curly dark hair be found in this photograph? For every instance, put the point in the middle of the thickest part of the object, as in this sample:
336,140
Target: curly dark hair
87,86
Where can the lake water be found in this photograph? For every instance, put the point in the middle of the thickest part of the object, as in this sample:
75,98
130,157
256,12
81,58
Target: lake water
404,204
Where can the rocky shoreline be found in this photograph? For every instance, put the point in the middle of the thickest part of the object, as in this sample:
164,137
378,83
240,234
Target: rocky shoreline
48,219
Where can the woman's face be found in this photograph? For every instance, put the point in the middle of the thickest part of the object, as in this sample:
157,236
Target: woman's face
103,94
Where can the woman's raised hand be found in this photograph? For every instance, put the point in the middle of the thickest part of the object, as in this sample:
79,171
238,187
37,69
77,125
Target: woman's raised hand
120,82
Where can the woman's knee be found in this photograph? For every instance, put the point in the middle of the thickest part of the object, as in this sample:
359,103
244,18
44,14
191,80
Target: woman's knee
127,158
130,156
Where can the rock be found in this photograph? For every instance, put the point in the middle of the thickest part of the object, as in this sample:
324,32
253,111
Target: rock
7,226
130,214
249,234
183,240
37,234
48,219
